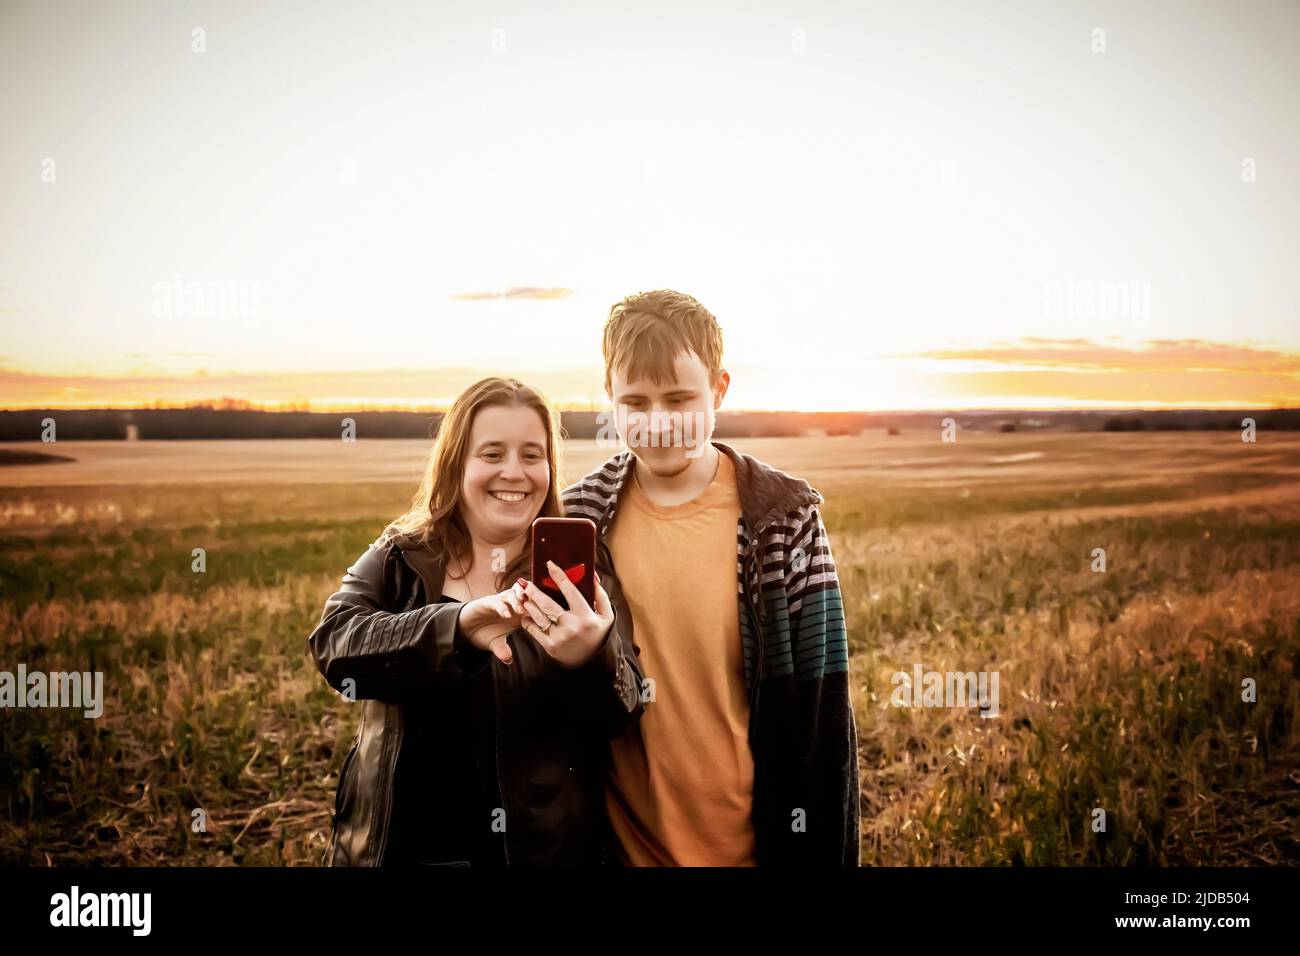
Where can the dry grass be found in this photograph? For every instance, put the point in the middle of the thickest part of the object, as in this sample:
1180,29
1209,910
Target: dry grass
1119,690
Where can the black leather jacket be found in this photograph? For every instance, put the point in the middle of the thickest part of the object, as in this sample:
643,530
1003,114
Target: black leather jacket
459,758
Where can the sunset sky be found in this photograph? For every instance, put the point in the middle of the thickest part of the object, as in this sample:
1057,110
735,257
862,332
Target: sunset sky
906,204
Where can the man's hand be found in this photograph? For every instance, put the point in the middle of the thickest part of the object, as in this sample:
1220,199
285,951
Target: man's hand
577,633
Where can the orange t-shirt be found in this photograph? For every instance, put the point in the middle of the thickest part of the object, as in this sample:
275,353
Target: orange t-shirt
681,784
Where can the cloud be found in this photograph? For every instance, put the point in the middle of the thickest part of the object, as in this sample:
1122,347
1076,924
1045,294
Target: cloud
1156,355
392,387
515,292
1028,372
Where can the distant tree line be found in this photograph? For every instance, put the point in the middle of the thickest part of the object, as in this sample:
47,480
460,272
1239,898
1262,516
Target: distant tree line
195,423
1284,419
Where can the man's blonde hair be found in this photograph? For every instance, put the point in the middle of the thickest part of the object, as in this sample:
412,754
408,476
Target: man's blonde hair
646,331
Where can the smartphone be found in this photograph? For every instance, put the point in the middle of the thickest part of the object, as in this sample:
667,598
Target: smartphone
570,543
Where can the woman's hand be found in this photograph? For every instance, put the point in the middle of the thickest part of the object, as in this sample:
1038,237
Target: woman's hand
486,621
577,633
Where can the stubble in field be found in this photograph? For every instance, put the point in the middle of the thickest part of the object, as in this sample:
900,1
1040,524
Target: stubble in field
1121,690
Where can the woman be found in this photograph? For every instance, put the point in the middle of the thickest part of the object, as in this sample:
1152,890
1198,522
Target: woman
486,707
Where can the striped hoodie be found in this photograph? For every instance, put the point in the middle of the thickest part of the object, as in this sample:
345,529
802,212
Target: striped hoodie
802,731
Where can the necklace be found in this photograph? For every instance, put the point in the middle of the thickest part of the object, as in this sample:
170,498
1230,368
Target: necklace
464,576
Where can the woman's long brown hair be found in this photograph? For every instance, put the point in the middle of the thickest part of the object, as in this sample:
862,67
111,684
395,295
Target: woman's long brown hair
434,518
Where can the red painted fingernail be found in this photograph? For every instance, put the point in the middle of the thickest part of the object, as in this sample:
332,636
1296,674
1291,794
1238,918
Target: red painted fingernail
521,582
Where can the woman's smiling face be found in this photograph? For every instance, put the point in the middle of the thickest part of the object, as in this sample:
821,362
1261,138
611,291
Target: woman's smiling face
507,474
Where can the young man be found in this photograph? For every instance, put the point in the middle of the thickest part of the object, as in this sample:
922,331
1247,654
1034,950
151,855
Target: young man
746,752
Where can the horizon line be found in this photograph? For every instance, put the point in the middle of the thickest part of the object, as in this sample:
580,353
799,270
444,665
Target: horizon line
293,407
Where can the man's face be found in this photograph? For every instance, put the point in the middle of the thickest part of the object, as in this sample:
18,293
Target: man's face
668,425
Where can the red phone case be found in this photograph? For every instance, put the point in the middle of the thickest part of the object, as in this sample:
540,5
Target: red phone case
570,543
